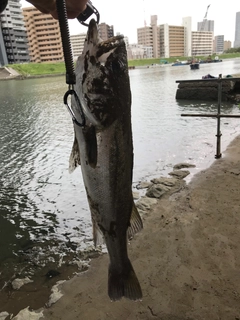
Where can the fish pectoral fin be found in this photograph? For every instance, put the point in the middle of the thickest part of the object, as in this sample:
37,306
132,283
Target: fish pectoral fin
135,223
91,145
97,234
74,159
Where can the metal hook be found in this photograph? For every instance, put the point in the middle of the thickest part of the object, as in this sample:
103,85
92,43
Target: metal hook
87,13
74,119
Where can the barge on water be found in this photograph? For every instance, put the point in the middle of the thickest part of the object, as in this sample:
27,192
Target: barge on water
208,90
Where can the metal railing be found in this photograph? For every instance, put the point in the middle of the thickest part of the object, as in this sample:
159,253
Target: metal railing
217,115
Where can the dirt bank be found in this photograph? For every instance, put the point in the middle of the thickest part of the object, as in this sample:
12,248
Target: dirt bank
187,258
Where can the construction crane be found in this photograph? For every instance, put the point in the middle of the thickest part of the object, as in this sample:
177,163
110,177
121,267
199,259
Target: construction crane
195,65
204,20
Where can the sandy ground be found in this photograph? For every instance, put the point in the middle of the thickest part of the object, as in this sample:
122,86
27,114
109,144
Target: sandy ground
187,258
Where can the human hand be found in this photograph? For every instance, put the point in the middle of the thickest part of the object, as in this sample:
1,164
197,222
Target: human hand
74,7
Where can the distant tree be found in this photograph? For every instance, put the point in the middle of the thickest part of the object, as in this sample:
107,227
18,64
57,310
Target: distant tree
232,50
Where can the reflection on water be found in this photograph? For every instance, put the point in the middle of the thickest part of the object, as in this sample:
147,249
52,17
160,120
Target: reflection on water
40,202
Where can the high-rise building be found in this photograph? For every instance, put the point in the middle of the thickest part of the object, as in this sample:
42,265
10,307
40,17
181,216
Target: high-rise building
45,44
218,45
206,25
105,31
237,31
13,36
77,43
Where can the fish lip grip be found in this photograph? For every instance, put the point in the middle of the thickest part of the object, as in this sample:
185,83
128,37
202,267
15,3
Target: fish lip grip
90,9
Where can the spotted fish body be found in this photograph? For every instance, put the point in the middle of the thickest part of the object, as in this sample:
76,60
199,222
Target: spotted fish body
104,149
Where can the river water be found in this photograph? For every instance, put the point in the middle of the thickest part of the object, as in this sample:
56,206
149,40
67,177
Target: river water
43,208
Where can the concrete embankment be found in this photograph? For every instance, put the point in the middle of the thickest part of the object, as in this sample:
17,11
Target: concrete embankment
207,89
7,73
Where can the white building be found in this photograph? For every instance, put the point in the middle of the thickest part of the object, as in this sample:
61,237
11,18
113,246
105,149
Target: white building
138,51
187,23
77,43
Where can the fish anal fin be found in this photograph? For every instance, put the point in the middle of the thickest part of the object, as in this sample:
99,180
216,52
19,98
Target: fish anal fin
124,284
74,159
97,234
135,223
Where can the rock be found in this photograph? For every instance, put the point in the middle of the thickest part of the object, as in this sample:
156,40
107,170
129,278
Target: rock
30,315
3,315
169,182
143,185
135,195
18,283
56,293
156,191
183,165
179,174
145,203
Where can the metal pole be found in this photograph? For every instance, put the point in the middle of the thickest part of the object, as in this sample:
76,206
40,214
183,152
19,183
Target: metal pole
218,135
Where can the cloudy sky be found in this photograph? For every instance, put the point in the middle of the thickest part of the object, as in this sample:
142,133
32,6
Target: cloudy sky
128,15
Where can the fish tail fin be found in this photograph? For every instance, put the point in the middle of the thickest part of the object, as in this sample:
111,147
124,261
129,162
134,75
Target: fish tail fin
123,284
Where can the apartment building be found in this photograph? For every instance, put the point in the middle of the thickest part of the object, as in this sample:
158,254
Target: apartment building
13,36
150,36
172,41
77,43
202,43
105,31
45,44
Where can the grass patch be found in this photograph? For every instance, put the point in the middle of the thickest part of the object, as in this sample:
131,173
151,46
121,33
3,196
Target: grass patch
36,69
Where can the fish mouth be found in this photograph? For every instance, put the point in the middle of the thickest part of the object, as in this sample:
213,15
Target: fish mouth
105,46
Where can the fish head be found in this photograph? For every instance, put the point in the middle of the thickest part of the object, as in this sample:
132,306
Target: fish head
102,77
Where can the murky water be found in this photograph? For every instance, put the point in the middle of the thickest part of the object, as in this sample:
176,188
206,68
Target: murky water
42,206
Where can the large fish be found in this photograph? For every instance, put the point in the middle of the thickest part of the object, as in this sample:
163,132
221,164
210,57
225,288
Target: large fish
104,149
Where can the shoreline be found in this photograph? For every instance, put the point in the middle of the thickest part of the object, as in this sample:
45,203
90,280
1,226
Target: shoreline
186,258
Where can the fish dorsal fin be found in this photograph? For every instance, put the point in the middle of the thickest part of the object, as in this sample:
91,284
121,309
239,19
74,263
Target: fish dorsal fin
135,222
74,159
97,234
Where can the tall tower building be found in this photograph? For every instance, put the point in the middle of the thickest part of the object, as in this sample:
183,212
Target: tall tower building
13,36
45,44
105,31
237,31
